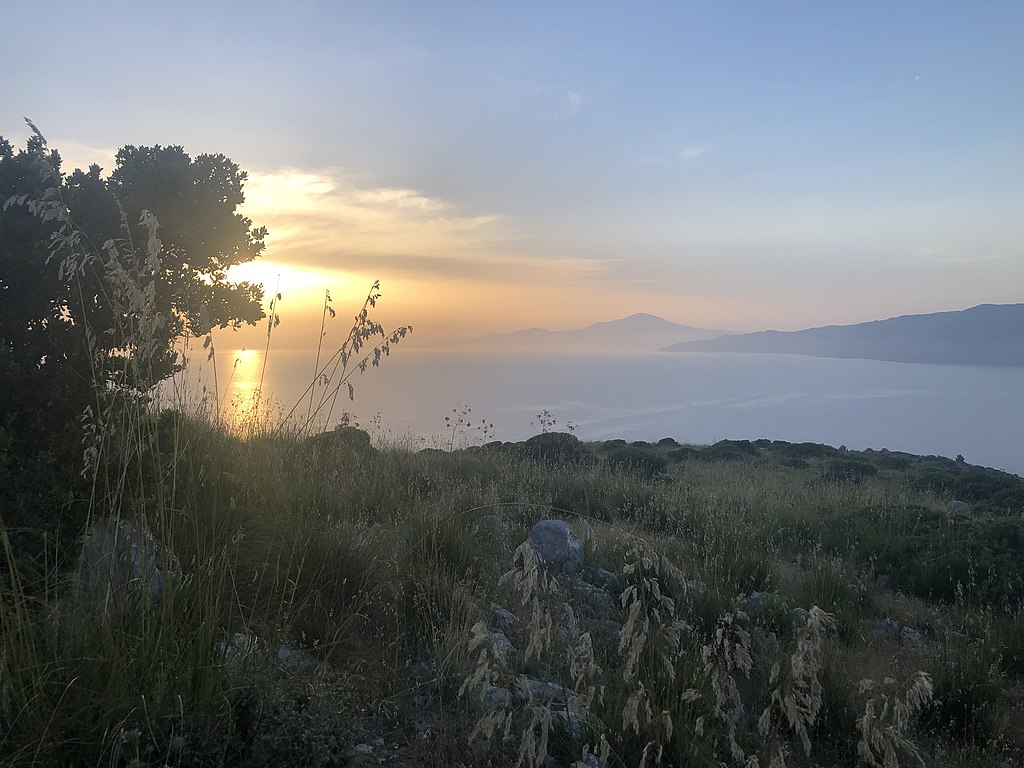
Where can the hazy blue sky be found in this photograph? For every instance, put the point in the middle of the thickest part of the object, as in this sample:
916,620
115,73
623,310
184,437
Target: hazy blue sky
726,164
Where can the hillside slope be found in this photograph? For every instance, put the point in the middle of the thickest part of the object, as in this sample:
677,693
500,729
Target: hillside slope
989,334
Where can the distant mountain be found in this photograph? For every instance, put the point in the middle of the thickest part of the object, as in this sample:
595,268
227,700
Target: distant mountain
636,332
989,334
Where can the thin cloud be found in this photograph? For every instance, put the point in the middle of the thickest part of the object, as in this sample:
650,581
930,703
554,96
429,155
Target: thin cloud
691,153
557,103
329,220
673,154
74,154
949,256
573,102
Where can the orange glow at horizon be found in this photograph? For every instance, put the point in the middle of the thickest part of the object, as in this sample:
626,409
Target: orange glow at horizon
448,273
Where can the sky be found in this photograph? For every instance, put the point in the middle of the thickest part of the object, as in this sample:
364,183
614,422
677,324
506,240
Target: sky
739,165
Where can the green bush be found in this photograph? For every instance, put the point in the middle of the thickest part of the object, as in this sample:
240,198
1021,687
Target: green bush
786,450
727,450
645,460
968,704
932,555
556,448
847,470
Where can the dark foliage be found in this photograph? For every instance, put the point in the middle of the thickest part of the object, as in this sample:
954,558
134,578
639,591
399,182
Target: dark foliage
557,448
644,459
803,450
934,555
848,470
727,450
71,246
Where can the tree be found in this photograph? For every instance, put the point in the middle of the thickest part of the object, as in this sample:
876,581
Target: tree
98,279
70,248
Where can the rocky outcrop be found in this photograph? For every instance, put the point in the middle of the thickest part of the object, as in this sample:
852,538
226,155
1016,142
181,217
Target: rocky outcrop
123,566
557,547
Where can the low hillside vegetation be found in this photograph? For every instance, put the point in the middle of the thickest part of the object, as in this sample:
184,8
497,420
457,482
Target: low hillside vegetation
331,600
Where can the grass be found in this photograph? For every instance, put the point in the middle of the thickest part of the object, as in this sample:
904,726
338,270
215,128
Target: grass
377,562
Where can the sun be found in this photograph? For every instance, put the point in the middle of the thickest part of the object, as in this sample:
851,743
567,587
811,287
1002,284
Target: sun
298,283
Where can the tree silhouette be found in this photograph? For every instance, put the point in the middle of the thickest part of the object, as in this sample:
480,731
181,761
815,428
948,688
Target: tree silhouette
99,276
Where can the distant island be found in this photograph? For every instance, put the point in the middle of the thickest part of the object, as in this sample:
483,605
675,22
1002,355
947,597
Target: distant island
637,332
989,334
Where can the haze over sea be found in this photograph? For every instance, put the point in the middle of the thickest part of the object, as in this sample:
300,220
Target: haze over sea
695,398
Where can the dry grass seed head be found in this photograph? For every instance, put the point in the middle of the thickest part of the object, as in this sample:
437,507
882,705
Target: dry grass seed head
887,718
796,697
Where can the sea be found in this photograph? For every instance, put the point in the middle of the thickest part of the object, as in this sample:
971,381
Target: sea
443,398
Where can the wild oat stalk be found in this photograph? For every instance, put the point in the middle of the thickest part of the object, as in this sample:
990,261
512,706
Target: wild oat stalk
533,746
490,669
650,615
727,655
358,352
529,582
887,717
796,697
651,633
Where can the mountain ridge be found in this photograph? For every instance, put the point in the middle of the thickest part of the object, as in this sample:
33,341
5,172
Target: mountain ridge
638,331
986,334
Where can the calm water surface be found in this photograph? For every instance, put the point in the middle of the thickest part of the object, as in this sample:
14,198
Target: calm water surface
696,398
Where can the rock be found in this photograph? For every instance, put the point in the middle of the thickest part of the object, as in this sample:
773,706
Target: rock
501,645
605,579
363,749
881,627
378,743
502,618
567,721
956,506
597,600
485,697
884,581
295,661
542,691
604,626
958,638
912,638
242,647
238,648
421,672
697,587
590,761
754,603
800,614
122,564
556,546
797,559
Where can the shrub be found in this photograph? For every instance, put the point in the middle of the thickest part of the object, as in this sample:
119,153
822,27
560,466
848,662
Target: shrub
848,470
967,704
727,450
644,460
803,450
556,448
